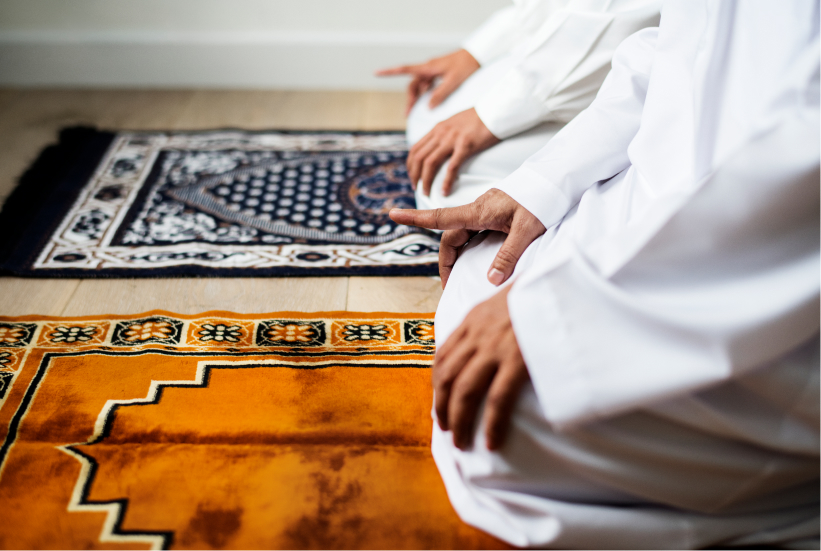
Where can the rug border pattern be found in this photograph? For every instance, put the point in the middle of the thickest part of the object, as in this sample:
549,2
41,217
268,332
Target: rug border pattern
46,236
323,355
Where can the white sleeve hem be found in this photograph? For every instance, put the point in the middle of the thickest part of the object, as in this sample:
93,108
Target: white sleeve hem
543,199
509,108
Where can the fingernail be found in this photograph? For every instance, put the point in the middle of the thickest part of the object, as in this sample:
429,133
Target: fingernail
495,276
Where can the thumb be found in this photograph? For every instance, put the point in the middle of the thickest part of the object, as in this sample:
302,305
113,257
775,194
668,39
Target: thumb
505,262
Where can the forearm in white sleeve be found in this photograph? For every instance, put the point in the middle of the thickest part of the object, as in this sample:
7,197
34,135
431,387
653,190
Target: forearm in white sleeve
564,64
726,281
550,182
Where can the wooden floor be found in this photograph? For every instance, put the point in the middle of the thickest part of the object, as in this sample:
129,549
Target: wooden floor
30,120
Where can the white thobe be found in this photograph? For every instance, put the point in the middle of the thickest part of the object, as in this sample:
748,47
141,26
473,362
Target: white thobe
542,62
669,316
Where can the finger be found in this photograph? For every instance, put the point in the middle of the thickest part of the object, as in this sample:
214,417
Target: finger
414,91
517,241
400,70
418,86
444,351
501,401
454,218
431,166
412,95
466,395
413,154
460,153
450,244
443,389
443,375
442,91
441,396
419,154
414,162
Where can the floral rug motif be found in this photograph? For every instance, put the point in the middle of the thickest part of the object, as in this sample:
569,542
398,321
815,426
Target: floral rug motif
216,203
221,430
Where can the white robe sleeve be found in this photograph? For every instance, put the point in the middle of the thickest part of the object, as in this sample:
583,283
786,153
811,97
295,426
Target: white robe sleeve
550,182
563,62
507,27
728,283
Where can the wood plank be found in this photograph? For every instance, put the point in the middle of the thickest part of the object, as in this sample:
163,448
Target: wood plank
316,110
274,110
394,294
52,109
192,296
33,119
46,297
254,110
383,111
142,109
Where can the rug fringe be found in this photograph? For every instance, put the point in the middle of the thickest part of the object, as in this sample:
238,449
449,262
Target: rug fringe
60,172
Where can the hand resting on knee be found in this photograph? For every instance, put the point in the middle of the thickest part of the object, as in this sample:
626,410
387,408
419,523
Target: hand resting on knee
451,70
459,137
481,358
494,210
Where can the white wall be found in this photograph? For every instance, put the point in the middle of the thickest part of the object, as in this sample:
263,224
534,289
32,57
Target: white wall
226,43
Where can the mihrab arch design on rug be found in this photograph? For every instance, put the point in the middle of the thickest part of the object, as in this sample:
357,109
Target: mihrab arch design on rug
218,203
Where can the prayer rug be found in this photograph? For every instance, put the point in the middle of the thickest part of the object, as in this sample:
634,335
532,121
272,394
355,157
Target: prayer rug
220,430
218,203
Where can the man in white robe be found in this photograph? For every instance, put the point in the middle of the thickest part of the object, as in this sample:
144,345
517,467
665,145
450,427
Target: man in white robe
630,357
519,78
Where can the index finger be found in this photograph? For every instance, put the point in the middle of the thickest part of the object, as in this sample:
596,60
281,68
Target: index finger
401,70
455,218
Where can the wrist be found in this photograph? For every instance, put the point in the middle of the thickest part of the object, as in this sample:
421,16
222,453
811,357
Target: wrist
468,59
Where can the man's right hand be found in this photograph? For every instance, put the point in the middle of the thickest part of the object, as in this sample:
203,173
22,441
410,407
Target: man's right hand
495,210
453,69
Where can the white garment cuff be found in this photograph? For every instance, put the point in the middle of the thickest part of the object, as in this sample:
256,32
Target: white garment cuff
484,55
530,189
509,108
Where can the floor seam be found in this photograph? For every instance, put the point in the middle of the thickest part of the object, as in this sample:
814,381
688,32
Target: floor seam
348,295
70,297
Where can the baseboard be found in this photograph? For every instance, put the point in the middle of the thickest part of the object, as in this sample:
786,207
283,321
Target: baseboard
301,60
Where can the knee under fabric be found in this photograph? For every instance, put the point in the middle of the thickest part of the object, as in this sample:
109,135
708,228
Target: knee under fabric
486,169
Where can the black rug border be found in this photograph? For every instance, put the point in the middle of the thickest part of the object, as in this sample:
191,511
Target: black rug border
61,170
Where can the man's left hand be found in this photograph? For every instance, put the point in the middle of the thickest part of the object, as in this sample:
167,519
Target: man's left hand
459,137
481,358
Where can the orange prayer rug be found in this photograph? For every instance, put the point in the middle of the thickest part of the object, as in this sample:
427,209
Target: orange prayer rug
221,430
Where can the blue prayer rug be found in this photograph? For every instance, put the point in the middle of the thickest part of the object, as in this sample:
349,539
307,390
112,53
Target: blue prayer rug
221,203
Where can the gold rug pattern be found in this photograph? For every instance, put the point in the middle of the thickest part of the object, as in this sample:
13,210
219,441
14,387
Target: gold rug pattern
221,430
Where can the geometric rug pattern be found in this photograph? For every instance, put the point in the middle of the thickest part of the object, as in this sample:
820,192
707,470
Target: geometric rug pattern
215,203
221,430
